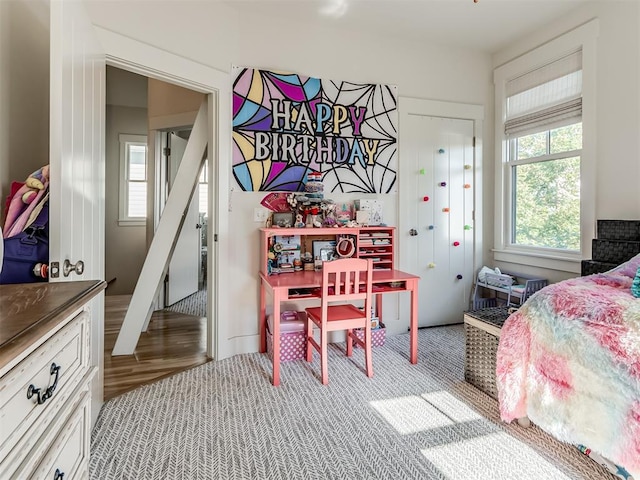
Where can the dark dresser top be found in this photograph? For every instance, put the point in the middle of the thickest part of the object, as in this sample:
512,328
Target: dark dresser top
28,311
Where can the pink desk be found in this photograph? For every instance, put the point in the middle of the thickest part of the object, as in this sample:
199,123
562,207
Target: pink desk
279,286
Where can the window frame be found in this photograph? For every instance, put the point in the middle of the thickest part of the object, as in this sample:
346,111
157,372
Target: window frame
584,38
123,205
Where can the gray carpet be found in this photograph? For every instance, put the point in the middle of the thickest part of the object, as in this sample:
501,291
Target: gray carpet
224,420
195,304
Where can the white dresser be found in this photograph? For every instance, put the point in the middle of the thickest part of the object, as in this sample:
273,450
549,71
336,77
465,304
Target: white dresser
45,375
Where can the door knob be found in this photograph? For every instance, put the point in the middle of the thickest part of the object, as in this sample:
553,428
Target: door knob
68,267
413,232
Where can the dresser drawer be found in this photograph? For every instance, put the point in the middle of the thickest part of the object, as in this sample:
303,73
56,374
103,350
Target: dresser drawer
55,368
69,453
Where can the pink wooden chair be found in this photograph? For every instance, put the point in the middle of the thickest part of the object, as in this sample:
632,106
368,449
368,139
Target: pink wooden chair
344,280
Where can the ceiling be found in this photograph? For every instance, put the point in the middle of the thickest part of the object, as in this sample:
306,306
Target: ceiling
488,25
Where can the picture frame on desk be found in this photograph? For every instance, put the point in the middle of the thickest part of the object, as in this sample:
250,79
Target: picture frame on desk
324,250
283,219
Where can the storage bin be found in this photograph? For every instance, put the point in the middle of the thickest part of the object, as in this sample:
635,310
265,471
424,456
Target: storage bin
377,336
292,346
614,251
292,335
589,267
482,335
628,230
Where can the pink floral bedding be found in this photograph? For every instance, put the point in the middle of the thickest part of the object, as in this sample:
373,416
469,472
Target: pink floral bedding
569,359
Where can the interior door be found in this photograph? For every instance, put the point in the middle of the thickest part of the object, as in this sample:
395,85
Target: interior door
77,116
184,268
441,152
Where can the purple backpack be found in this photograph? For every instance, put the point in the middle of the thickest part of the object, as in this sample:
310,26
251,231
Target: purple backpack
26,252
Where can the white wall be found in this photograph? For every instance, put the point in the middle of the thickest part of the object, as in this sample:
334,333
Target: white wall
218,37
419,70
24,90
618,109
126,113
126,245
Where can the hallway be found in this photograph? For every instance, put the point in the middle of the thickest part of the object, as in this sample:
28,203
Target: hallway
174,342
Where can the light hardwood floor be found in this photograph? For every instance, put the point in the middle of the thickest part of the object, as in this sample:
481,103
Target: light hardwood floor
173,342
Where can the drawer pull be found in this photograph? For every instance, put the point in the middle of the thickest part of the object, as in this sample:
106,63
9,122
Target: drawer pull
48,393
58,475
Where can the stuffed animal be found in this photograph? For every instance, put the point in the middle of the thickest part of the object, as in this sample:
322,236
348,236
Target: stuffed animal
635,286
24,200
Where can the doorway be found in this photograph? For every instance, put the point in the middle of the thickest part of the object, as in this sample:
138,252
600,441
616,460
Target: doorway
139,117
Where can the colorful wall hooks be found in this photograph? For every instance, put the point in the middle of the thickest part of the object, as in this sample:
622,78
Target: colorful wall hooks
445,209
467,227
443,184
467,185
441,151
432,265
467,167
431,227
459,277
456,244
425,199
421,171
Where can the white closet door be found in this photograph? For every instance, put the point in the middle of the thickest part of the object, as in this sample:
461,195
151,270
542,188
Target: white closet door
440,154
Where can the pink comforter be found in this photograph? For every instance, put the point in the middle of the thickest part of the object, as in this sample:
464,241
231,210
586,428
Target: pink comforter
569,359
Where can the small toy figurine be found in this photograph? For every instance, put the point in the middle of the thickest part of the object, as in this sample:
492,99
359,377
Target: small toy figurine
299,222
330,219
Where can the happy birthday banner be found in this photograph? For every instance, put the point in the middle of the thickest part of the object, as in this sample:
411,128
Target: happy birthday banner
286,126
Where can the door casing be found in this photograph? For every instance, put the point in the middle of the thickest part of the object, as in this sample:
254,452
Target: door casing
144,59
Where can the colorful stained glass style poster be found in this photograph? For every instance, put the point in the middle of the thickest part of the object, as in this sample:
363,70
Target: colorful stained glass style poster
286,126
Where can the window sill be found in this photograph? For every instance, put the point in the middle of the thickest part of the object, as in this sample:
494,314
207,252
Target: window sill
132,223
570,264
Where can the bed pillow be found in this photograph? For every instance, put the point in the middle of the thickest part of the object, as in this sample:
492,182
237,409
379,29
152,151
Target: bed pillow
635,286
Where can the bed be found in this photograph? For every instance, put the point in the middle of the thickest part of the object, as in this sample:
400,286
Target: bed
569,360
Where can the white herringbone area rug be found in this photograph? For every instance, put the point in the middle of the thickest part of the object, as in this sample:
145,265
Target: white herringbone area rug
224,420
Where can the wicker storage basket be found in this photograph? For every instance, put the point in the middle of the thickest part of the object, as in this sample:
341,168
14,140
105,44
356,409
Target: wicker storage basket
614,251
480,359
481,347
628,230
589,267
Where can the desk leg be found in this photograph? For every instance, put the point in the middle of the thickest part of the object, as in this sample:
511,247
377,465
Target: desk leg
276,337
379,307
262,318
413,342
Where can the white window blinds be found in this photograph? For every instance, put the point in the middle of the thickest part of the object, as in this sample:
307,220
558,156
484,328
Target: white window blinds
545,96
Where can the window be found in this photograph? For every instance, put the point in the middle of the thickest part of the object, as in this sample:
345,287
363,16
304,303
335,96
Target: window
545,185
133,179
545,172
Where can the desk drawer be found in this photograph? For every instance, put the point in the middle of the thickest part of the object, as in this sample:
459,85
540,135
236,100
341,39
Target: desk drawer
63,357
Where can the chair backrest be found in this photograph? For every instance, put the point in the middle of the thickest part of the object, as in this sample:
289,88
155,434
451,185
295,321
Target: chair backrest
347,279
